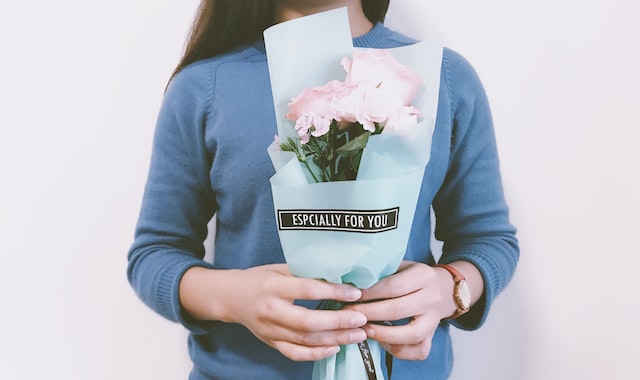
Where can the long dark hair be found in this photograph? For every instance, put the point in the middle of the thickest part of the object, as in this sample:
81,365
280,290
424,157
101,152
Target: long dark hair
222,25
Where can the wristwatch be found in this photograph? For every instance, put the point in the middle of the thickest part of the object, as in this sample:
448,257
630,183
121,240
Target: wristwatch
461,292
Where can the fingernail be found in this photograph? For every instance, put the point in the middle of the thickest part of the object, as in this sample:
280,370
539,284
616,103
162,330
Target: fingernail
333,350
353,294
358,336
358,320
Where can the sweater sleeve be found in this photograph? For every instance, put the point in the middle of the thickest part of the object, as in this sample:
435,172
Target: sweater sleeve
471,213
178,201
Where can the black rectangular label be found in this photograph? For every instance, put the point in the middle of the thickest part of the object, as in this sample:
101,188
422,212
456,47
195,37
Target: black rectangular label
366,221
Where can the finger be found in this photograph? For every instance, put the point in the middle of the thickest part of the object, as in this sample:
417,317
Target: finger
304,320
393,309
413,333
324,338
418,351
304,353
407,280
294,288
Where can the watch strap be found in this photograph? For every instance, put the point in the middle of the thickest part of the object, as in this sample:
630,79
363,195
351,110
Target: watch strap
457,278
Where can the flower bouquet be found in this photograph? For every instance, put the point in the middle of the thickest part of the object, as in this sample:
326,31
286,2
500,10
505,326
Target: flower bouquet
349,157
334,121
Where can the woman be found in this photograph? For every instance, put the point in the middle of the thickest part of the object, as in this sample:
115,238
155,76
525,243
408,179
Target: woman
209,158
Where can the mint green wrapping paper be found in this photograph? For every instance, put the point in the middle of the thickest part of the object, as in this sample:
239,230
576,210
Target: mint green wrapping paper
347,364
359,258
350,231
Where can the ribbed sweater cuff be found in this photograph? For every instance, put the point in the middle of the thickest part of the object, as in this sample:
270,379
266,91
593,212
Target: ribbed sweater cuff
167,292
493,277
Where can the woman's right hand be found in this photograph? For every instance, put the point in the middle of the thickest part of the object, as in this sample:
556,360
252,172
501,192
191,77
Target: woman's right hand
261,298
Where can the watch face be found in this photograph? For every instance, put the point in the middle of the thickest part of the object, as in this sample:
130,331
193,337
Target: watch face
464,295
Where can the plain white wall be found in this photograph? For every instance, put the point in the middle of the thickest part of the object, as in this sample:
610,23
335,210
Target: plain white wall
80,87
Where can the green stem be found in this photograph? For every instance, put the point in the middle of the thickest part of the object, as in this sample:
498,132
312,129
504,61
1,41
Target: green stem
303,160
295,147
332,143
310,171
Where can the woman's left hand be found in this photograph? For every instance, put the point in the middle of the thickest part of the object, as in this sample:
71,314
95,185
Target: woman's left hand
422,294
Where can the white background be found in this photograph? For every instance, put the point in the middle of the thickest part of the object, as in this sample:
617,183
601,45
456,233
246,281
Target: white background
80,87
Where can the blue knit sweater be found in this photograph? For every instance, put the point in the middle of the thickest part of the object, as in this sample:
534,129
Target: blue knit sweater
210,158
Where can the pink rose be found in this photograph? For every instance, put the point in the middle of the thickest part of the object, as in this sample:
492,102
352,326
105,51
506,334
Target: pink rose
371,105
377,90
364,106
313,109
404,117
385,93
378,68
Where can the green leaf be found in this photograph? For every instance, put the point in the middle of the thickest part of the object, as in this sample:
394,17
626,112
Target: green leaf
354,146
355,162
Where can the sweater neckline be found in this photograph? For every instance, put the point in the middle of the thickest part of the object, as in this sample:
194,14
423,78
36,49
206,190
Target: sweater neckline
374,37
378,34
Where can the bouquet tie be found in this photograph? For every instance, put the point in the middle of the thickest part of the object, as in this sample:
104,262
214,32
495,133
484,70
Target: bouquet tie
365,352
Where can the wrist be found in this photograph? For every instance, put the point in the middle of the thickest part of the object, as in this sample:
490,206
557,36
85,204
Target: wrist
458,299
199,293
448,305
